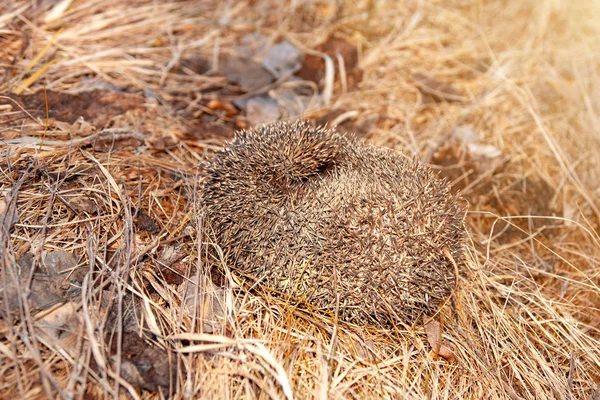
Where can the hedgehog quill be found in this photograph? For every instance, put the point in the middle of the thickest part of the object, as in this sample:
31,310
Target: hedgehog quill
335,222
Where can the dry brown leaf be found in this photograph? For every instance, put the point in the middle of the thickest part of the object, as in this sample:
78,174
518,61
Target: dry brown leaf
146,223
144,366
170,269
84,204
366,349
339,49
262,110
210,303
283,59
59,262
43,288
222,105
61,326
433,330
248,74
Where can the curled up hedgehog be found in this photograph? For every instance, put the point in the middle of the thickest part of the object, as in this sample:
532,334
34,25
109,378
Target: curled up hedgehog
335,222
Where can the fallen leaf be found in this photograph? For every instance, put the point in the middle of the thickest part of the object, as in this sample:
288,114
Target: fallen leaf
43,289
447,353
313,66
283,59
366,349
207,302
171,270
60,326
170,254
146,223
433,330
338,45
262,110
246,73
59,262
434,334
84,204
313,69
225,106
143,365
293,103
63,272
174,274
127,320
58,279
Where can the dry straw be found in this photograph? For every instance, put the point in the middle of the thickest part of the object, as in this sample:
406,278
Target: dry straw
524,321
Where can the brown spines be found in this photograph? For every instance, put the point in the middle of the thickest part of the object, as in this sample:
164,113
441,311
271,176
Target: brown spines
326,219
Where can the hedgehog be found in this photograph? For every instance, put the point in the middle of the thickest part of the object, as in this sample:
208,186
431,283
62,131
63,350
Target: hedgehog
349,228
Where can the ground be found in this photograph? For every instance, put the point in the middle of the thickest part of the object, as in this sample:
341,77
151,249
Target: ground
108,109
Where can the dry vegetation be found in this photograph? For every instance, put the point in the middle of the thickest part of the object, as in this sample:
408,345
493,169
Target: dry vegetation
112,293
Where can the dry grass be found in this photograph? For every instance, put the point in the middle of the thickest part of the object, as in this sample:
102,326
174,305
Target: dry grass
524,322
